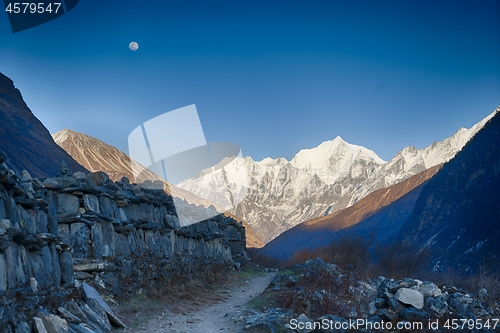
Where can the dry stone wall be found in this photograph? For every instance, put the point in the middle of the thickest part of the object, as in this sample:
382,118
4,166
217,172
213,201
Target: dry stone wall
59,232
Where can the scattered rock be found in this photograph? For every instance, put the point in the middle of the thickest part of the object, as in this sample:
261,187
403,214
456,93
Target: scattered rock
404,283
430,289
413,314
436,306
75,310
387,314
380,302
38,325
70,318
23,327
91,293
388,300
395,305
285,280
305,322
483,293
455,305
53,323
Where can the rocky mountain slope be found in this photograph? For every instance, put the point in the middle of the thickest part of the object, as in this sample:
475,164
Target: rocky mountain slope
321,180
321,231
457,215
96,155
26,143
281,193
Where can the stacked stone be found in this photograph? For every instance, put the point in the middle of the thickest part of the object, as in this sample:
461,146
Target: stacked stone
105,221
58,233
30,246
373,301
415,300
119,219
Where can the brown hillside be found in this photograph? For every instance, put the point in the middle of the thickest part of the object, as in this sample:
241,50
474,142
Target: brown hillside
370,204
95,155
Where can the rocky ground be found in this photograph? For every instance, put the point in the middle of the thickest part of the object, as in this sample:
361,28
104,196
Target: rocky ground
310,297
319,297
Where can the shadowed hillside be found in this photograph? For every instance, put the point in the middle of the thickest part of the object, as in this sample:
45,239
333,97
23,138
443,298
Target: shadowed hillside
320,231
457,214
26,143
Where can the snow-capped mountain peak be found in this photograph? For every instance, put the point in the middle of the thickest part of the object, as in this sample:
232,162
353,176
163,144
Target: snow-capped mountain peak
333,159
321,180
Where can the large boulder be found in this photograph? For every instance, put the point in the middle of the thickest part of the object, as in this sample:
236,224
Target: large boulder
410,297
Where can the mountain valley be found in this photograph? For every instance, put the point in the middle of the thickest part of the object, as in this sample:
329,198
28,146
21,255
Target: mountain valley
320,181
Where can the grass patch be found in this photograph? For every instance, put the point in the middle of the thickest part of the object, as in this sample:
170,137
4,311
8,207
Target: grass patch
248,273
265,301
138,310
289,272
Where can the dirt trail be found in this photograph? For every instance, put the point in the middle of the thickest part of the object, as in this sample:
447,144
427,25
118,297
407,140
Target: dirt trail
211,318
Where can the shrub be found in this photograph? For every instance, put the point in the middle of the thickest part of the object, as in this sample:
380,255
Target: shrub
398,260
258,258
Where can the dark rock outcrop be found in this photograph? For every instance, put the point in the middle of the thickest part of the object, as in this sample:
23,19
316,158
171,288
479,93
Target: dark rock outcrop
457,215
27,144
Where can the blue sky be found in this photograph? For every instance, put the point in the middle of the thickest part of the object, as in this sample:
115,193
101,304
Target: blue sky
271,76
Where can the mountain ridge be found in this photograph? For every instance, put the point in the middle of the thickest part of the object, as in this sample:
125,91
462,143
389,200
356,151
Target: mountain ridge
321,180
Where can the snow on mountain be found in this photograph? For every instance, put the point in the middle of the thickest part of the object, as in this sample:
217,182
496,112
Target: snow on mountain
280,193
319,181
331,160
410,161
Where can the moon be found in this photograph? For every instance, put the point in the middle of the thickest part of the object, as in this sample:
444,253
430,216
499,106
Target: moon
133,46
